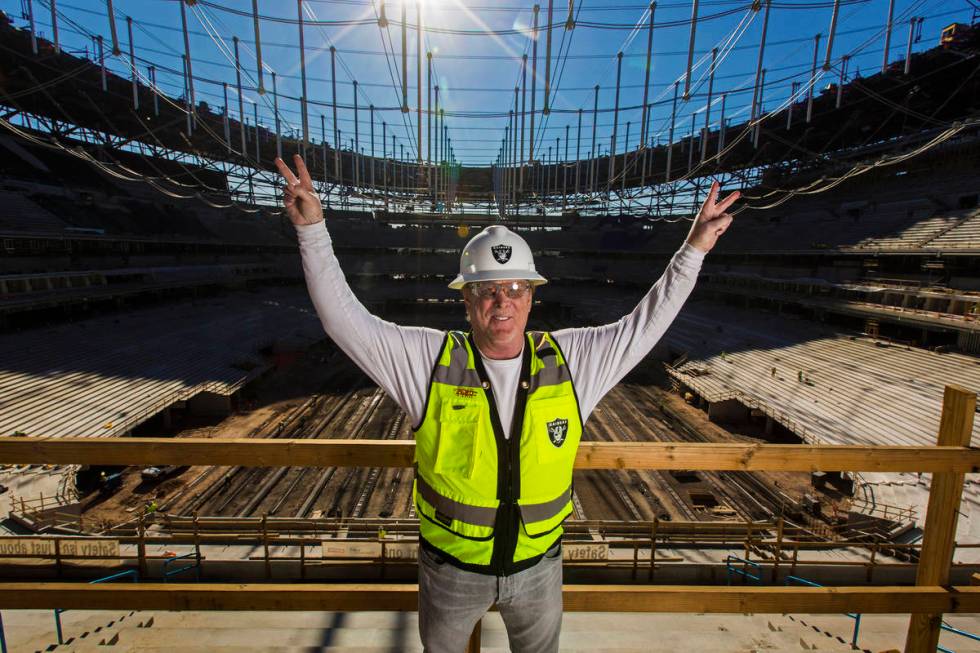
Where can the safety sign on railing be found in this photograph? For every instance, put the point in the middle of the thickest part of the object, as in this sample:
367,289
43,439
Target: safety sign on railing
91,551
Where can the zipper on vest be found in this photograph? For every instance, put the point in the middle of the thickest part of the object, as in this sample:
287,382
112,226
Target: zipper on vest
508,464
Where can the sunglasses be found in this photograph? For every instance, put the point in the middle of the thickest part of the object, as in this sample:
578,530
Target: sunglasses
489,289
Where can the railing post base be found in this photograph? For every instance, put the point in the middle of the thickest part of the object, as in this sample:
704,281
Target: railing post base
473,646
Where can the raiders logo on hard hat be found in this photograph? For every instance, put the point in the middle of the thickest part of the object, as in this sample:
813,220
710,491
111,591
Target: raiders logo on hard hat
557,430
501,253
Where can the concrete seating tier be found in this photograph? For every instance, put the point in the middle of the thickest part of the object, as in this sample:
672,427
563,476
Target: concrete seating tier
855,390
17,213
103,376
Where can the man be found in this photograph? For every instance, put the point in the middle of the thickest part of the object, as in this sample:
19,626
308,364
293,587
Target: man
497,415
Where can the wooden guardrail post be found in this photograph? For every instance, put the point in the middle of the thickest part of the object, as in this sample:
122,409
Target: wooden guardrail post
197,544
473,646
141,546
955,429
780,525
265,545
653,549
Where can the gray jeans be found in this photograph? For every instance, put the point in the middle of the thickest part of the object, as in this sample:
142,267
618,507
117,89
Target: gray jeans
452,601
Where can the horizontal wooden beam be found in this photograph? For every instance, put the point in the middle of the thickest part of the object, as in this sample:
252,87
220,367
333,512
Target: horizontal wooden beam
577,598
250,452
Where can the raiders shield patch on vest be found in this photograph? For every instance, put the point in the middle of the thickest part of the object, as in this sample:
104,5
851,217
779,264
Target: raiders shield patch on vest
557,430
501,253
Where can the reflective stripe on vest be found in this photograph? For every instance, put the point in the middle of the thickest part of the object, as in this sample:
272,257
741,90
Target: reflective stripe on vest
476,515
460,491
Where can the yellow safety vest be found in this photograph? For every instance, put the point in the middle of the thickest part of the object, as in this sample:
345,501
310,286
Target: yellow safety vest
486,503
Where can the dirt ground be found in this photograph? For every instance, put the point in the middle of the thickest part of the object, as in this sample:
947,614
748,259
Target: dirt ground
264,402
793,484
274,394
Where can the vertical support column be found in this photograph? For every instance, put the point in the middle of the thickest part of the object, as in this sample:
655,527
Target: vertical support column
758,65
615,132
626,153
187,95
404,61
30,21
444,180
238,87
275,110
592,156
789,107
758,124
646,80
578,153
505,164
438,137
520,158
690,145
323,149
384,159
152,70
813,79
333,103
690,49
908,47
564,171
830,37
373,160
54,27
192,100
707,107
132,65
302,72
357,139
843,78
258,45
227,123
428,113
670,134
888,36
258,151
547,61
534,76
418,80
105,81
515,158
112,26
945,494
554,166
547,177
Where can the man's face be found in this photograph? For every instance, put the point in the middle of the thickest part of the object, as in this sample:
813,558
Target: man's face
498,320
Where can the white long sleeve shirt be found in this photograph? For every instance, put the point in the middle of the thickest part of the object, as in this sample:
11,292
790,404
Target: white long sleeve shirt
399,359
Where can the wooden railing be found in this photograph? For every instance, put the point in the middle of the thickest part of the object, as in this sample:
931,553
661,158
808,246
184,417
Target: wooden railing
949,461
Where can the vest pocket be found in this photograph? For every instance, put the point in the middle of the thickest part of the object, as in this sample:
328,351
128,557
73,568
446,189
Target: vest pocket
456,450
554,430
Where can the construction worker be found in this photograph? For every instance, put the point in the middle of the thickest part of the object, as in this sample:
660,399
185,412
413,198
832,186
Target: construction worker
497,414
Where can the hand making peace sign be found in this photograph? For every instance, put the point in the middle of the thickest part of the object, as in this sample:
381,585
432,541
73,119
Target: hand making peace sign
301,201
712,221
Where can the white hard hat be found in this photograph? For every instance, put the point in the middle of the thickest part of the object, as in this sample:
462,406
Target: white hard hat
495,254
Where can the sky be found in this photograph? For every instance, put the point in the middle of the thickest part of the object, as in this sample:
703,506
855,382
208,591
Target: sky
476,51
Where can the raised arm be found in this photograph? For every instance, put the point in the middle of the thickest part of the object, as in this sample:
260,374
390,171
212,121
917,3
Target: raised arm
397,358
599,357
